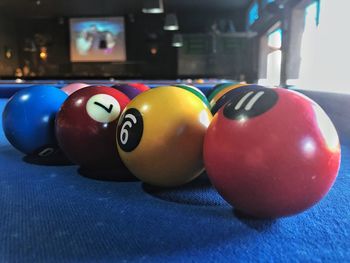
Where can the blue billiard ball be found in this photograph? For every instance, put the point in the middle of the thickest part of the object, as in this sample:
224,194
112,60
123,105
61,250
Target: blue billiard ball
29,119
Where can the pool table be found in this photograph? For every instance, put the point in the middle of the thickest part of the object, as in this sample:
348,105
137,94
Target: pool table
52,213
9,87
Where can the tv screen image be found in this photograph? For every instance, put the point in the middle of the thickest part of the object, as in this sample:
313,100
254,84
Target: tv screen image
97,39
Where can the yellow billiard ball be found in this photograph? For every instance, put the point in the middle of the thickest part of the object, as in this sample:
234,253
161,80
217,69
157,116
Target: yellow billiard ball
160,136
195,91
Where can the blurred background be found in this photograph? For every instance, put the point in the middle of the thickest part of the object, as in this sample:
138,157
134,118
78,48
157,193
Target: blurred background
301,43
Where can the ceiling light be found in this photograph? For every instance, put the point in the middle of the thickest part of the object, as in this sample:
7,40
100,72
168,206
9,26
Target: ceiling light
177,40
152,6
171,22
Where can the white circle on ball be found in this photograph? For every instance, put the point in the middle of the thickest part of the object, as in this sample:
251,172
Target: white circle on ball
103,108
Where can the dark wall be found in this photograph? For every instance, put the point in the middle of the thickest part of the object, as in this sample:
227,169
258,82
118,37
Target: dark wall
143,32
202,21
8,40
47,32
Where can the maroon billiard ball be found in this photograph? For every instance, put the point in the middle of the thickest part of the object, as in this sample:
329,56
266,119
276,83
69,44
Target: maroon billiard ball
86,126
271,152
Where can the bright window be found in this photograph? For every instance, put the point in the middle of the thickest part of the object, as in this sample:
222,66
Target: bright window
275,39
274,58
253,13
325,52
265,2
312,16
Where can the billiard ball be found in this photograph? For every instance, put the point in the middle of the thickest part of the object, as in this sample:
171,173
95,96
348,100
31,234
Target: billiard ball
28,119
70,88
195,91
217,88
271,152
86,126
128,90
140,86
223,91
160,136
221,101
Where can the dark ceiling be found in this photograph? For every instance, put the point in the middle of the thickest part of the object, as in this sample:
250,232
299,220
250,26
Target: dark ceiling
69,8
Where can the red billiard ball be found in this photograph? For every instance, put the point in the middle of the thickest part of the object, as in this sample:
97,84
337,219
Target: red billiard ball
86,126
271,152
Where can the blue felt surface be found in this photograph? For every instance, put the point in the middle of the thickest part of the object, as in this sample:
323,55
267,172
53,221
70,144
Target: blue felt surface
53,214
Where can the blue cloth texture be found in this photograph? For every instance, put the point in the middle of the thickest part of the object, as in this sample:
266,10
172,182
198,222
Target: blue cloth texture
51,213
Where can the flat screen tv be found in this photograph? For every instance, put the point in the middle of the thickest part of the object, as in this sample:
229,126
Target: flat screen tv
97,39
